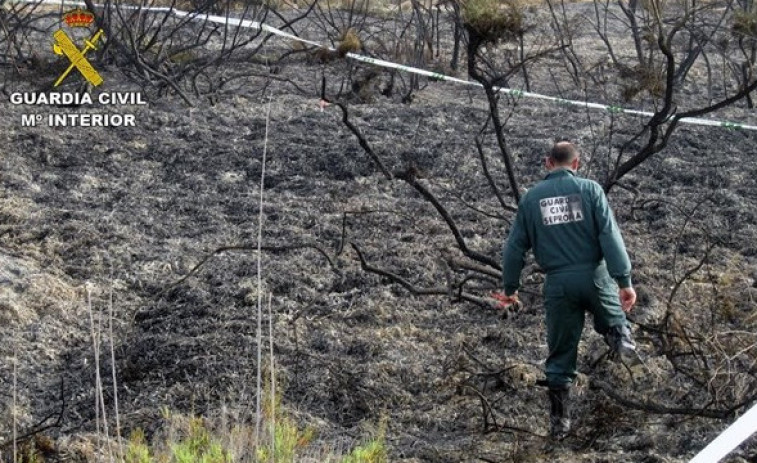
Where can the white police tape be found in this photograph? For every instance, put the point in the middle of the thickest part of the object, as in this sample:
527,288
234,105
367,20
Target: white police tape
612,109
729,439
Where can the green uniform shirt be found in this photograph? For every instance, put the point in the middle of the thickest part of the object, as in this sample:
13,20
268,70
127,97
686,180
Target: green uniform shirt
569,224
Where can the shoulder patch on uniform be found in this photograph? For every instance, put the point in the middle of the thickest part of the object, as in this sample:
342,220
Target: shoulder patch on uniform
561,209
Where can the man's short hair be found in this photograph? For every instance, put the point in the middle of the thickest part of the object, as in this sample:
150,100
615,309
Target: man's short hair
563,152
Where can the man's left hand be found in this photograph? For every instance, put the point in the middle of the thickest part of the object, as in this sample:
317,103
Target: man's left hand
506,302
627,298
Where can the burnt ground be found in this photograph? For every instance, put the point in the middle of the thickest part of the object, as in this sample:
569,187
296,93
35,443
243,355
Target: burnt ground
127,212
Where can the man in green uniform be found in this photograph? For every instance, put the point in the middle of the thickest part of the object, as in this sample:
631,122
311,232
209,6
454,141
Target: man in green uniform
568,223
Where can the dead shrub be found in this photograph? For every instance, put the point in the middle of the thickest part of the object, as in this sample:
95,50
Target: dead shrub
349,42
644,79
745,23
492,21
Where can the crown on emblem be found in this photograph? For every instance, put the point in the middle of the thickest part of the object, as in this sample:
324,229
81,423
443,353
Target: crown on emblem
78,18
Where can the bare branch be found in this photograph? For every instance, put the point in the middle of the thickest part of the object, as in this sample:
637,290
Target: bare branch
410,177
363,142
249,247
660,409
437,291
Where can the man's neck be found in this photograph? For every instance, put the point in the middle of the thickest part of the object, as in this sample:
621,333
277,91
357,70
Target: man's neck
559,168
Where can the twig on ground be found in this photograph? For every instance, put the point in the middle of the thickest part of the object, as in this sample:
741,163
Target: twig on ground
248,247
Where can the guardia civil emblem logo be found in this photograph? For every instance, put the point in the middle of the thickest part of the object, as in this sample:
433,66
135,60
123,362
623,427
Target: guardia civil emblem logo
65,46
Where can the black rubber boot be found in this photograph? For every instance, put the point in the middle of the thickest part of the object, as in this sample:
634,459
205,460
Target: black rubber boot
559,412
620,341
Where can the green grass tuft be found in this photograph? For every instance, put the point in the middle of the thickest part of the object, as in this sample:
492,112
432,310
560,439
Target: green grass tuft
196,440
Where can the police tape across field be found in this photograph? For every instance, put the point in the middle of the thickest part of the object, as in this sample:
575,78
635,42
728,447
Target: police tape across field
729,439
249,24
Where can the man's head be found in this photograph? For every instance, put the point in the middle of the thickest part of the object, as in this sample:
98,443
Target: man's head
564,154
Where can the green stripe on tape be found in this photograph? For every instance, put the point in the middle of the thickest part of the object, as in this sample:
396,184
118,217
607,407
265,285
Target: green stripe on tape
612,109
731,125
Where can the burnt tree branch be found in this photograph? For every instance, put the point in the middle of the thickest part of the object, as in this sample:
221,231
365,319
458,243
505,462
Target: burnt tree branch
413,289
410,178
660,409
487,174
363,142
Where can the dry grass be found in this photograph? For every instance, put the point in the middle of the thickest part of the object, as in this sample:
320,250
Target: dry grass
494,20
644,80
745,23
349,42
35,293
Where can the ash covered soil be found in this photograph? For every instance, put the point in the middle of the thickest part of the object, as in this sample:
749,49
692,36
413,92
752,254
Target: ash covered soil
123,214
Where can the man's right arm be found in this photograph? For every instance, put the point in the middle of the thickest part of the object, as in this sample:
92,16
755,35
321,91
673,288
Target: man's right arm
513,254
611,241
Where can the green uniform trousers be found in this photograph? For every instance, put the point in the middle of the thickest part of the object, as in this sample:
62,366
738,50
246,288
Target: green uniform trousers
568,293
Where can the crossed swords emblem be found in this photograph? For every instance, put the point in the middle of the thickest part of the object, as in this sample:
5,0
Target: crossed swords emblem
65,46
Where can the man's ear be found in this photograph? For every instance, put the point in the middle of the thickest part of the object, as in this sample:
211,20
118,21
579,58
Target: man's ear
575,163
548,163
